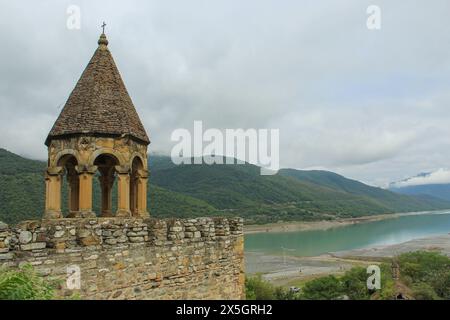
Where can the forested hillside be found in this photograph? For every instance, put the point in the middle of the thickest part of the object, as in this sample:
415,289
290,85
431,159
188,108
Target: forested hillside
202,190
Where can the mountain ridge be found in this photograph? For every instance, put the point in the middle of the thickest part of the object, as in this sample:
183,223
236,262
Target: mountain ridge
227,190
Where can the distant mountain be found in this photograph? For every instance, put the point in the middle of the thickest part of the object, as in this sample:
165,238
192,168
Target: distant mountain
202,190
382,197
424,184
441,191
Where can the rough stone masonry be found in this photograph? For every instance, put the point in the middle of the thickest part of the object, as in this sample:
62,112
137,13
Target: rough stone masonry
133,258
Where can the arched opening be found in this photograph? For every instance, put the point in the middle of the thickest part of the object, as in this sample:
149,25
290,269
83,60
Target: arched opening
106,167
70,184
136,167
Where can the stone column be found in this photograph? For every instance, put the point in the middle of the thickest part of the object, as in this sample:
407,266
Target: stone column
86,174
106,184
53,178
133,193
141,205
123,191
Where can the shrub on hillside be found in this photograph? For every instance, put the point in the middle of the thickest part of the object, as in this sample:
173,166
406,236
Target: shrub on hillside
24,284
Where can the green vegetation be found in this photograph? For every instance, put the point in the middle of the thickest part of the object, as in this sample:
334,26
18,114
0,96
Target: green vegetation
24,284
426,273
423,276
326,288
258,289
226,190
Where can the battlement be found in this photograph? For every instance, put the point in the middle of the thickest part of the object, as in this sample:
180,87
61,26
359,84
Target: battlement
133,258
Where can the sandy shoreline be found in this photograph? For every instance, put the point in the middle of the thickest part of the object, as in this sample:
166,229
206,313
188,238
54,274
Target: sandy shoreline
291,270
322,224
439,243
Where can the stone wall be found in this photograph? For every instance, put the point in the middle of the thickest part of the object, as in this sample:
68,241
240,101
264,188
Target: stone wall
133,258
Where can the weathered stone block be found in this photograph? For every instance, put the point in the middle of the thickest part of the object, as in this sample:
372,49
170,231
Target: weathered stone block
136,239
33,246
122,239
90,241
60,246
106,233
6,256
118,233
111,241
59,234
25,237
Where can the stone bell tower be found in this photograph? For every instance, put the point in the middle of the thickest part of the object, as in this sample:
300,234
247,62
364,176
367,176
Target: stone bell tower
98,135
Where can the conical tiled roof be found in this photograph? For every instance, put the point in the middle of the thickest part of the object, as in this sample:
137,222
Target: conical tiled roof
99,104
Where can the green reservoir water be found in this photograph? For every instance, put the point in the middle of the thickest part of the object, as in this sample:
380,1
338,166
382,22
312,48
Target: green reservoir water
384,232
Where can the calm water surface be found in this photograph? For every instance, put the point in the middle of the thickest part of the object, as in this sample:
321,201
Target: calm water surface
384,232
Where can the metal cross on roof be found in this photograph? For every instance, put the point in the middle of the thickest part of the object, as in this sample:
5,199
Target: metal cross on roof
103,26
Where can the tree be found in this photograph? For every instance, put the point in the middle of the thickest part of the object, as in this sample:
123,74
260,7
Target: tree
258,289
423,291
325,288
442,286
354,284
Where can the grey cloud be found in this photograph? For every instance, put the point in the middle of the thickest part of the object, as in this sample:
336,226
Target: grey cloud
370,105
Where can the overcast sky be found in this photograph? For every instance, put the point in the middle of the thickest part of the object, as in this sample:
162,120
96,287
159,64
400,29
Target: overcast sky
371,105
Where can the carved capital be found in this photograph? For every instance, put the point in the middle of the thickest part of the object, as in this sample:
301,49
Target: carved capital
122,169
86,169
142,174
55,171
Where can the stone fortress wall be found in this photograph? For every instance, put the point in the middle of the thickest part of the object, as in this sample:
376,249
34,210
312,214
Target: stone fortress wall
132,258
